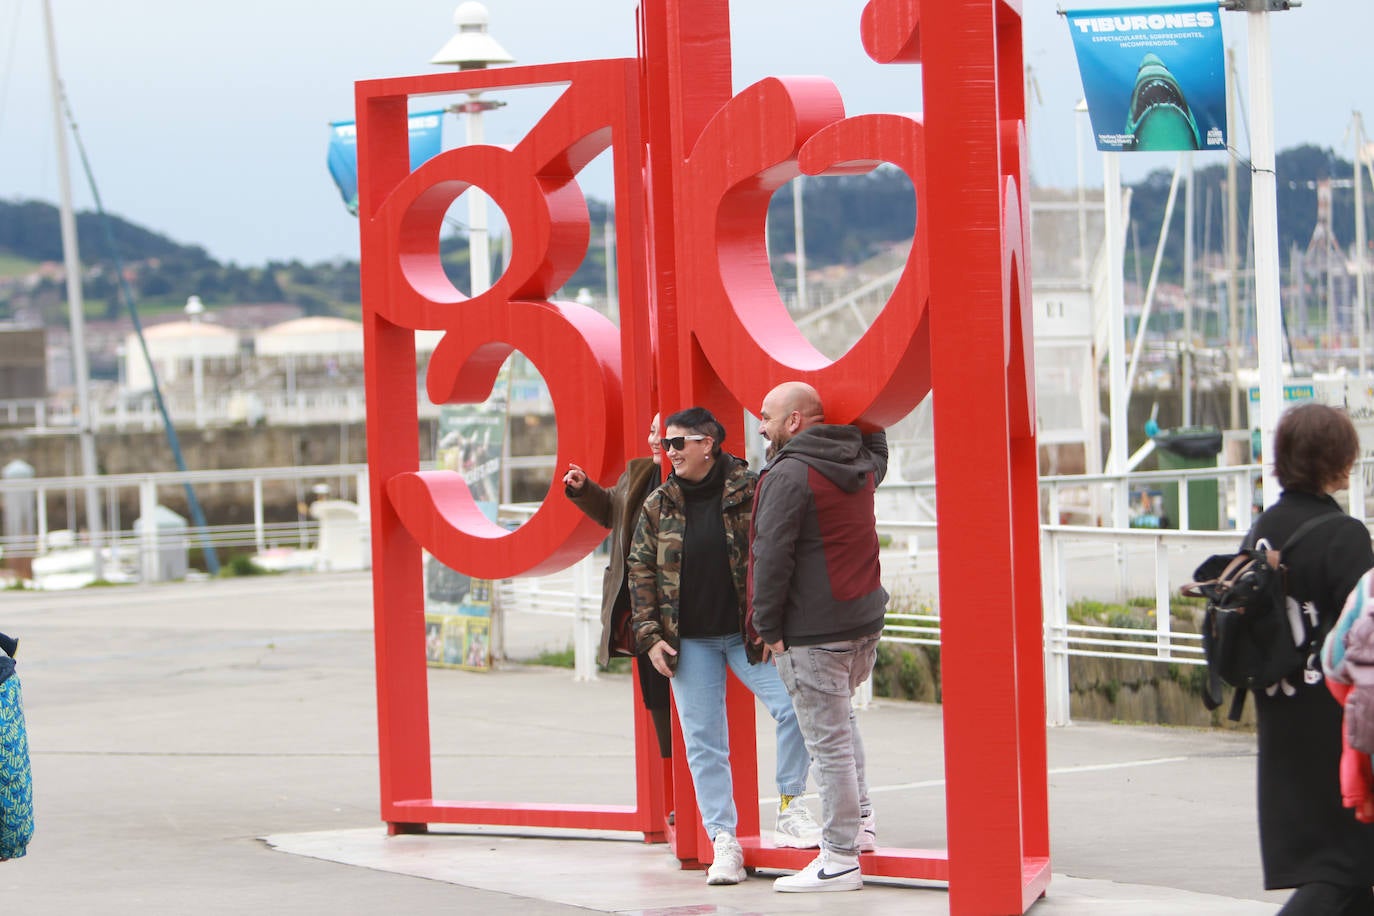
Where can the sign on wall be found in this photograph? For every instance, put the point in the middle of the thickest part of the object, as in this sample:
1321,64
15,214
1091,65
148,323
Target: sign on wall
1154,77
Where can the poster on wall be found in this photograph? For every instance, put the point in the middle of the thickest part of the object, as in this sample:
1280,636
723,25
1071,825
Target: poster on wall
1154,77
458,641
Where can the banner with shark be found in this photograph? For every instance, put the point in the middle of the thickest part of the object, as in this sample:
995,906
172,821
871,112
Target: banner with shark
1154,77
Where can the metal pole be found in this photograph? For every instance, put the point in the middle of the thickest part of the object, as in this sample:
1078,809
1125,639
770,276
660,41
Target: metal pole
1081,109
1232,244
194,309
1118,395
1186,370
1146,306
478,256
1264,207
71,260
799,232
612,287
1360,243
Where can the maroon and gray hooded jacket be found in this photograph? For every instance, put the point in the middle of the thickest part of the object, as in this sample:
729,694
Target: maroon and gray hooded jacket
813,561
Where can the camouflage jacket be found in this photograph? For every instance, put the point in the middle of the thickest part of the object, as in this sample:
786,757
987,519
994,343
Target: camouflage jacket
655,561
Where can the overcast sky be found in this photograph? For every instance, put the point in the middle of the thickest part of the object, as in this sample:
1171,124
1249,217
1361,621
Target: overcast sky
209,122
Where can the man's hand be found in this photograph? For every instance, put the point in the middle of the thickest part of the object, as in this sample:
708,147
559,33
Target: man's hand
770,649
575,477
657,657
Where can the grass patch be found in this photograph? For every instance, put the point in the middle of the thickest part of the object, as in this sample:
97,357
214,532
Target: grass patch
11,265
1137,613
566,658
241,564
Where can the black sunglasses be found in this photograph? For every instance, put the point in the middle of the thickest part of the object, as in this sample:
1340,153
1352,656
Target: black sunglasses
678,443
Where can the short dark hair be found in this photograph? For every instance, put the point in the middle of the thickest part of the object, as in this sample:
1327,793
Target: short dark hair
1313,445
701,422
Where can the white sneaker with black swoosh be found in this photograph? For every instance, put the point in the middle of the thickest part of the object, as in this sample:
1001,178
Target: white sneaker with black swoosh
829,871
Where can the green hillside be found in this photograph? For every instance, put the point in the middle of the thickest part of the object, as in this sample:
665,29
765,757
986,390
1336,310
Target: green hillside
848,219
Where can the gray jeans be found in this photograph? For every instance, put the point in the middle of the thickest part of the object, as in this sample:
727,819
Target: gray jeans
821,680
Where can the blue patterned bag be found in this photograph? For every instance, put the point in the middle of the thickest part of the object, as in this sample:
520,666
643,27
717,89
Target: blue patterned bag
16,780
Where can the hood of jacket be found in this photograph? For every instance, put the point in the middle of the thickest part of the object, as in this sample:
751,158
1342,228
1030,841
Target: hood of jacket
836,451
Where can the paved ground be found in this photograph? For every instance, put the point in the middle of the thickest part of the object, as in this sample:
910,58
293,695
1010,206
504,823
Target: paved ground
210,748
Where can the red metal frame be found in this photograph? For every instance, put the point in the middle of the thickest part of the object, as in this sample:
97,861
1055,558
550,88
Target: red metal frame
701,323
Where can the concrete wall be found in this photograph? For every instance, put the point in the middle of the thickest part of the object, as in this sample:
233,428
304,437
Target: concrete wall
216,448
237,447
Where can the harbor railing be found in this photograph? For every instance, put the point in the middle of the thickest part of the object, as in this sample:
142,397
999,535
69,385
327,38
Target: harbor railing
1142,566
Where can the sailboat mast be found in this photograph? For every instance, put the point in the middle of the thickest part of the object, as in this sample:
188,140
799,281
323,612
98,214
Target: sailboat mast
71,260
1360,245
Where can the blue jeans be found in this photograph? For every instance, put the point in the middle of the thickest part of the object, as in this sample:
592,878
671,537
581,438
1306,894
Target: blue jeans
699,691
821,680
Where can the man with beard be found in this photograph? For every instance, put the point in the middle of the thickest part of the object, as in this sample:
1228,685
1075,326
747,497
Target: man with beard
817,605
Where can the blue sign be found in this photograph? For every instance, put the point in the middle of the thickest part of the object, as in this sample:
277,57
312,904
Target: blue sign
1154,77
426,134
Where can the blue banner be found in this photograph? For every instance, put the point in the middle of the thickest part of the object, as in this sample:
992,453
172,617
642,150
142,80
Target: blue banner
1154,77
425,136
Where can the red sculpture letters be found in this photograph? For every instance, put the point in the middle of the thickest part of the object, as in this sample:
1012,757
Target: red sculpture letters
702,323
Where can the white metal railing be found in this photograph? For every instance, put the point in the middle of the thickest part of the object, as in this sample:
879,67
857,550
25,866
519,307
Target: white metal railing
1072,564
1076,561
30,496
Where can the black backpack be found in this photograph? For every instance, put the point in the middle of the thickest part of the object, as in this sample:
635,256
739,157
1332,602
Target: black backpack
1246,635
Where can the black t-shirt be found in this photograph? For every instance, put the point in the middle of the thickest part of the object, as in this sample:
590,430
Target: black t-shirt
707,603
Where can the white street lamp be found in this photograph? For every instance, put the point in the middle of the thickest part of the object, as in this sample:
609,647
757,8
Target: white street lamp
194,310
473,49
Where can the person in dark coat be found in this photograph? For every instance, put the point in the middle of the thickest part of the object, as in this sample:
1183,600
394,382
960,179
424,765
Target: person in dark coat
618,509
1308,840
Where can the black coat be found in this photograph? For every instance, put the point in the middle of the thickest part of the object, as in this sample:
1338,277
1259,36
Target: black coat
1305,833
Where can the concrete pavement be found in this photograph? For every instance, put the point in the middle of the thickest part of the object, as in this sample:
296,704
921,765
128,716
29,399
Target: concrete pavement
210,748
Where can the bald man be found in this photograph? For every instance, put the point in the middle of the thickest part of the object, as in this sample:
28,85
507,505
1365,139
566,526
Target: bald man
817,604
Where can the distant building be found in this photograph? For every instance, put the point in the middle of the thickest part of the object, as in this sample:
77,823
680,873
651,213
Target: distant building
173,348
23,364
315,336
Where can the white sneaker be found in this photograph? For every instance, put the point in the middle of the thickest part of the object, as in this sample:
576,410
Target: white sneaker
728,867
867,840
829,871
796,828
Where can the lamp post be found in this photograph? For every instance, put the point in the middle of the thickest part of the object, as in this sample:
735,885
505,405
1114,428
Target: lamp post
194,309
473,49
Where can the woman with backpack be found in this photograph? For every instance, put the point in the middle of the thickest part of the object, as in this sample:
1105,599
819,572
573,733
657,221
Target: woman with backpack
1308,840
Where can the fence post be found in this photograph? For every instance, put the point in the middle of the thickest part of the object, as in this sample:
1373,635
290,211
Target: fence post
41,547
1357,500
259,535
147,534
1163,616
1056,624
586,619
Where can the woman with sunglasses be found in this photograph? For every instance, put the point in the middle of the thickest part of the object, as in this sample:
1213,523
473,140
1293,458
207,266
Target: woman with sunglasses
688,565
